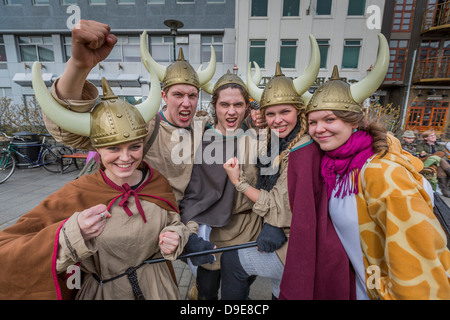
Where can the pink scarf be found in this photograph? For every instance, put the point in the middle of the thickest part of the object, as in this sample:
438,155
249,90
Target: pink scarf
346,161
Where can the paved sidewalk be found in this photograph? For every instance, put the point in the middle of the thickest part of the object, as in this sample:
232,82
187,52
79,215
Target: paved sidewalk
26,188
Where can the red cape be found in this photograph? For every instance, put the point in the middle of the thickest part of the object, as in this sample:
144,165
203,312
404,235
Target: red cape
28,249
317,266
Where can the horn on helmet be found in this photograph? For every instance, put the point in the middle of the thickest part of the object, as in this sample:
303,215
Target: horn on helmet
207,74
148,61
75,122
150,106
252,86
309,76
366,87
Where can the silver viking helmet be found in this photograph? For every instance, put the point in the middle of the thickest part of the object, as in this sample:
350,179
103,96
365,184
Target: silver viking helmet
336,94
297,87
113,121
180,71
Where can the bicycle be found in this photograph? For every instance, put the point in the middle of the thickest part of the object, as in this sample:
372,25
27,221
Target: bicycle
50,157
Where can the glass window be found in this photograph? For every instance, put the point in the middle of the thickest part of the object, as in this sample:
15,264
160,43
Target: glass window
288,53
350,57
217,43
291,8
125,50
13,2
356,7
215,1
324,7
397,61
2,50
161,48
185,1
403,14
258,52
36,48
125,1
41,2
94,2
68,2
155,1
67,43
324,46
259,8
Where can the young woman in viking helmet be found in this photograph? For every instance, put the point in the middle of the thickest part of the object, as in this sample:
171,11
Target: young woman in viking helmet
104,224
377,199
282,105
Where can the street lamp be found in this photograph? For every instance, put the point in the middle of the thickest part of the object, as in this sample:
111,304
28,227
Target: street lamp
174,25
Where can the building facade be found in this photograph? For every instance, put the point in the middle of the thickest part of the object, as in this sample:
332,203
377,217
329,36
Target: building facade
39,30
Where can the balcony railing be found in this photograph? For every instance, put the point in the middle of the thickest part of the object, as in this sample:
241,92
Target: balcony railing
436,17
433,69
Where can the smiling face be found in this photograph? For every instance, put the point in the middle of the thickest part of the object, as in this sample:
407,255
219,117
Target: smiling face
230,110
282,119
181,101
122,160
329,131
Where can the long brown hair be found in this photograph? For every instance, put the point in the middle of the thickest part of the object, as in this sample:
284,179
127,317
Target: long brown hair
372,126
216,94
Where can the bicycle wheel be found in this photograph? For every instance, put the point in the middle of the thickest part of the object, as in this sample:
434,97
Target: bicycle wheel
53,161
7,165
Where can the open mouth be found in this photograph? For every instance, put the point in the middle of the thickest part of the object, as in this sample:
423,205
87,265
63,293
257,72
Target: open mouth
185,115
124,166
231,122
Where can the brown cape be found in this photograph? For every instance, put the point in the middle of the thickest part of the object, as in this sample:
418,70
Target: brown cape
28,249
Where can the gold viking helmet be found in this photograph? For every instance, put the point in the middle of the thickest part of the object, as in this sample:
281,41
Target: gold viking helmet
113,121
228,78
284,90
336,94
180,71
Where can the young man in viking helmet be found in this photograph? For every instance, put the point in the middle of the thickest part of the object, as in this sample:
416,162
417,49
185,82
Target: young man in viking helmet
91,43
100,227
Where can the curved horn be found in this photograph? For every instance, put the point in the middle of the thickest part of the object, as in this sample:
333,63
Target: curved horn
148,61
308,77
150,106
306,97
75,122
364,88
209,87
252,87
257,76
207,74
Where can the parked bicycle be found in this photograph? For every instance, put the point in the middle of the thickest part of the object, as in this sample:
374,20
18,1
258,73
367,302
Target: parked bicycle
50,157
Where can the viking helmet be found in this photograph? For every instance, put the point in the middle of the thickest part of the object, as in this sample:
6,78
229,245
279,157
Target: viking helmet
113,121
228,78
336,94
180,71
284,90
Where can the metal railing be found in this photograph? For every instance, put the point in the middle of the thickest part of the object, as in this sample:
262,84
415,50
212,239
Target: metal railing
436,16
433,69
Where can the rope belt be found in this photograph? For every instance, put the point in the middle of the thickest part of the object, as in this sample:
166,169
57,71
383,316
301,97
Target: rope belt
132,277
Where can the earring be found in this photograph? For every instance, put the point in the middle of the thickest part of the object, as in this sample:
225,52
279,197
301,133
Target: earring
355,130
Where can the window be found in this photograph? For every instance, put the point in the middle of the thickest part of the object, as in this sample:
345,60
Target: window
258,52
324,7
95,2
324,46
155,1
215,1
41,2
291,8
185,1
125,50
259,8
125,2
356,7
427,114
397,63
13,2
403,15
68,2
288,53
217,43
350,58
67,43
2,50
36,48
161,48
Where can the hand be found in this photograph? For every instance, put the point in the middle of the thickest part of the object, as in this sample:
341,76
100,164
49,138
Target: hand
232,169
258,119
92,42
92,221
270,238
196,244
168,242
